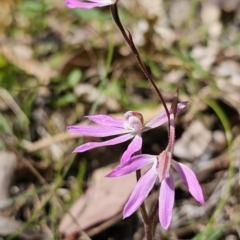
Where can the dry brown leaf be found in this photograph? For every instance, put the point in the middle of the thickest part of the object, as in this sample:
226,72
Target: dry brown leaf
104,199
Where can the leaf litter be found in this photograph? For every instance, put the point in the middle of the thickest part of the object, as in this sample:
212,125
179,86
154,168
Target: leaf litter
193,45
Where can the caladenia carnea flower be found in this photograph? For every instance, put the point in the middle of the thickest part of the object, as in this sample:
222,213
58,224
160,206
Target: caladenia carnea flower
160,170
131,127
89,3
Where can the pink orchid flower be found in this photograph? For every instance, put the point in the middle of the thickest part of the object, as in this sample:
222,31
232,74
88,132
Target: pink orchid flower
89,3
160,169
147,181
130,128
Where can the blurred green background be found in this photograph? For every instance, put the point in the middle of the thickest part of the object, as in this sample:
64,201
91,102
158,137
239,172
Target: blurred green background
59,64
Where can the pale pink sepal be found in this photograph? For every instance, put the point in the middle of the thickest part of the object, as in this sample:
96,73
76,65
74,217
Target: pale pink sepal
190,179
134,164
96,131
162,118
106,120
133,147
140,192
166,201
86,5
91,145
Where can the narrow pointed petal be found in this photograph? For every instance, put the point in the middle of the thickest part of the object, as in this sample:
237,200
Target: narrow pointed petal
135,163
166,201
91,145
181,106
156,122
190,179
133,147
106,120
140,192
86,5
162,118
96,131
106,2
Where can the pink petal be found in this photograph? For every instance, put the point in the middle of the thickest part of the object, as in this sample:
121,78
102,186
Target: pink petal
106,120
156,122
140,192
190,179
181,106
166,201
101,1
162,118
91,145
78,4
133,164
96,131
133,147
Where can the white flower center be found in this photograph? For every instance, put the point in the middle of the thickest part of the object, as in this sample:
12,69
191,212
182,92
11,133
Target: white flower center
133,121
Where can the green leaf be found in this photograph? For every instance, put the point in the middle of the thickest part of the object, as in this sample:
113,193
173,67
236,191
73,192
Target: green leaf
66,99
74,77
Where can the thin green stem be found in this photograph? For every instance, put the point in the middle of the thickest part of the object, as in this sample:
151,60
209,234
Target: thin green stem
227,128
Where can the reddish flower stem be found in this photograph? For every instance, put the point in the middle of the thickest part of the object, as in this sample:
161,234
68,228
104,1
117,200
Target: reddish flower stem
128,38
148,220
